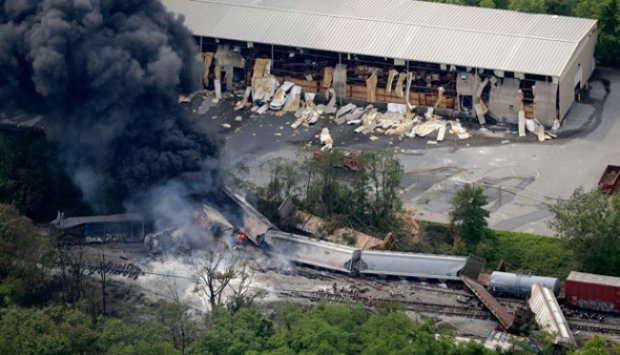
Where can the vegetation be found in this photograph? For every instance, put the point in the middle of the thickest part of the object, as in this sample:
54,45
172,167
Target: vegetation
32,177
25,258
597,346
468,219
323,329
525,252
366,199
521,252
589,223
607,12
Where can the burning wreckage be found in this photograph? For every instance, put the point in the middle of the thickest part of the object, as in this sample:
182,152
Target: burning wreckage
241,223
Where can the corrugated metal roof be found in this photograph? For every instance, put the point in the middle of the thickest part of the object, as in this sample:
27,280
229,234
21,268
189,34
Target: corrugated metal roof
405,29
594,279
114,218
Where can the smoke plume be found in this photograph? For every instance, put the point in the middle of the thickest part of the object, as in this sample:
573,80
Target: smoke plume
107,73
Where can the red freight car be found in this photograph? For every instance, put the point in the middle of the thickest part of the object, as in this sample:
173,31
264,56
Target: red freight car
595,292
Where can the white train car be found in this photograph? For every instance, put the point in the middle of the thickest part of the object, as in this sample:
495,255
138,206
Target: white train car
549,316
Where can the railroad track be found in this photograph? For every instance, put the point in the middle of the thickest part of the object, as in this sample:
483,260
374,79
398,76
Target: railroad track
369,301
593,326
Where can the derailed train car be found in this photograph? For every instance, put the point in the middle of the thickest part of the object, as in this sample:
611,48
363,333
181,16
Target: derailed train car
341,258
516,285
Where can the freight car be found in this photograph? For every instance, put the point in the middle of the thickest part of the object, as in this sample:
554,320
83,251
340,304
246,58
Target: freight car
510,284
593,292
340,258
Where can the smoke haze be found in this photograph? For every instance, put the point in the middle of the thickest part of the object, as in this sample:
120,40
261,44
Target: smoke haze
106,74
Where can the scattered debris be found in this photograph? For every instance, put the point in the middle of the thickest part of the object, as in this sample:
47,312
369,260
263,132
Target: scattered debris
281,96
226,125
244,103
318,227
521,123
458,130
326,139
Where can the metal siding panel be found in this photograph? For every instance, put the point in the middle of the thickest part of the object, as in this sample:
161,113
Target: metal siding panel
448,34
594,294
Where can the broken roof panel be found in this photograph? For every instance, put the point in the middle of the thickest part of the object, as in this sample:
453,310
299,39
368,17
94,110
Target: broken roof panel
414,30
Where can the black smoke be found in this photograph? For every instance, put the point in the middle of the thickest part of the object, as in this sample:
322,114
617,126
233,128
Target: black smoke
107,74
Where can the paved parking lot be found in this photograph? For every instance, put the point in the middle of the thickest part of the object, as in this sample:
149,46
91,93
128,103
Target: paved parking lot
520,177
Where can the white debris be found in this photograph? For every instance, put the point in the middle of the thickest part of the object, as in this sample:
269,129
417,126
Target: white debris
294,100
458,130
429,113
244,103
309,115
400,108
442,132
262,109
326,139
522,124
280,97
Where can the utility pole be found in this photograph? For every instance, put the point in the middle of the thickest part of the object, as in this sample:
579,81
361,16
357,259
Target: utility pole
103,271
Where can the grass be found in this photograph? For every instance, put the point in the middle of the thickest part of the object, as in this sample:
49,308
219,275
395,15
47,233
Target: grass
539,254
521,252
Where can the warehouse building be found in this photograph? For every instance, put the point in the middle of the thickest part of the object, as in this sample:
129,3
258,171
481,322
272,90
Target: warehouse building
467,59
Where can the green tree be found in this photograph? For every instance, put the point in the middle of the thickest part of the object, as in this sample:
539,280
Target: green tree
487,3
590,224
178,324
560,7
597,345
51,330
468,217
119,337
537,6
368,202
32,177
246,331
25,256
608,13
387,334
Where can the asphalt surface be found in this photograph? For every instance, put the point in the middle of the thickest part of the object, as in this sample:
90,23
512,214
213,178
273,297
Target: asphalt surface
521,176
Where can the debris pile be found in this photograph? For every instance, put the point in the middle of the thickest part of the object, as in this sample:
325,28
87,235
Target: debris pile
318,227
402,117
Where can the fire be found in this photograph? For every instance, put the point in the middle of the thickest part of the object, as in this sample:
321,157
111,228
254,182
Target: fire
242,237
199,218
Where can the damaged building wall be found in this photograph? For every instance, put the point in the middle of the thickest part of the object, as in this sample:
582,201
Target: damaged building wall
387,80
545,95
227,59
467,86
503,99
582,63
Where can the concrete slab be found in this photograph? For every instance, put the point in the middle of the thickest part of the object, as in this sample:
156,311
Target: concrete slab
531,175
